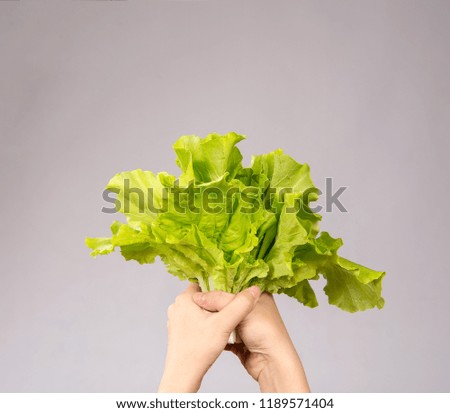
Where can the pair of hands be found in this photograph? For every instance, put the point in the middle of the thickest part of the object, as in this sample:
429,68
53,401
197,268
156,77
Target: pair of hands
199,326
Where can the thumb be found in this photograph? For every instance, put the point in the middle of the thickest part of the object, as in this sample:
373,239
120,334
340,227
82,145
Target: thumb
213,300
242,304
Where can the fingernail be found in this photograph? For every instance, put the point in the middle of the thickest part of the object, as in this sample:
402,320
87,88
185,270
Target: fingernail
255,291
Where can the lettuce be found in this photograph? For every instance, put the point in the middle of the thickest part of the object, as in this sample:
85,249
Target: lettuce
228,227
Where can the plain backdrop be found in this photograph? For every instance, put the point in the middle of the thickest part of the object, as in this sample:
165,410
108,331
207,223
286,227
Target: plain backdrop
358,89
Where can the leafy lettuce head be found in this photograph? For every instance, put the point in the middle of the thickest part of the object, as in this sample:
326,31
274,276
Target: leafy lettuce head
228,227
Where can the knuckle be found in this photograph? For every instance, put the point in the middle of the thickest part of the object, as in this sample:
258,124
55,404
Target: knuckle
170,309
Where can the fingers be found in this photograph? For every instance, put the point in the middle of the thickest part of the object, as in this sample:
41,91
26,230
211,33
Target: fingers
241,305
213,301
192,289
186,295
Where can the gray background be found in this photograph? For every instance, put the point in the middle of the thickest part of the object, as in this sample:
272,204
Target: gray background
359,90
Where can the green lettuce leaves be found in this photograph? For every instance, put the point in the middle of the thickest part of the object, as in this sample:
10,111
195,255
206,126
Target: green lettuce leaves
228,227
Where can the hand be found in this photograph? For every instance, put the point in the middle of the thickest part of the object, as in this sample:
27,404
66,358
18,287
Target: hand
266,351
197,337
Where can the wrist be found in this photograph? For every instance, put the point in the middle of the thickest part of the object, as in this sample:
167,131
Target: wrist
283,373
179,381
